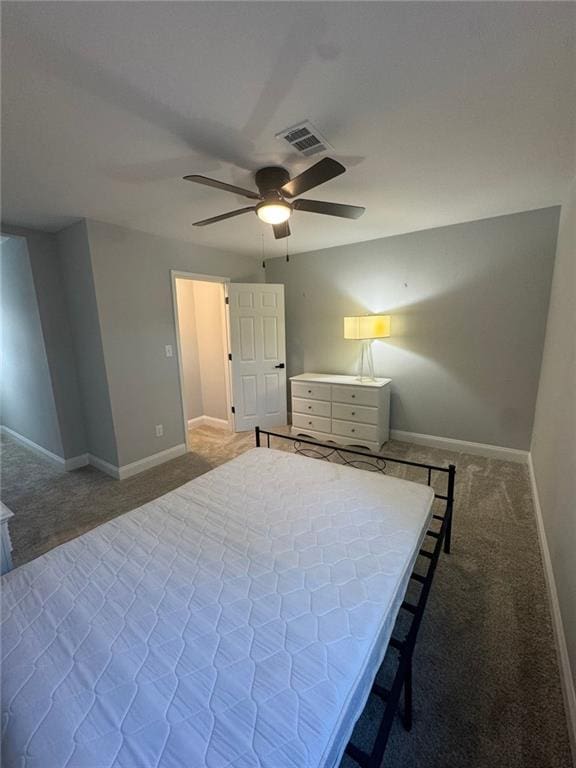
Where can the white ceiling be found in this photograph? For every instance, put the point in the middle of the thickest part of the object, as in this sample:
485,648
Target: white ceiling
442,112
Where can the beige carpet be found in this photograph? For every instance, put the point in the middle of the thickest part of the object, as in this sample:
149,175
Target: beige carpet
487,690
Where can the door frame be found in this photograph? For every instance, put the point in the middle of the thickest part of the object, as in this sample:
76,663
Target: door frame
225,282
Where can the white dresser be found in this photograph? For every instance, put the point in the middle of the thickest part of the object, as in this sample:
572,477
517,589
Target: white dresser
341,409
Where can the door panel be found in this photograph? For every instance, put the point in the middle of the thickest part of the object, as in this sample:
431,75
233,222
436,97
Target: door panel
271,393
249,395
258,346
247,339
269,300
245,299
270,328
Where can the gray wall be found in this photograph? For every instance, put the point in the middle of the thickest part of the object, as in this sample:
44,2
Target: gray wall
76,267
554,439
134,296
28,405
468,305
53,308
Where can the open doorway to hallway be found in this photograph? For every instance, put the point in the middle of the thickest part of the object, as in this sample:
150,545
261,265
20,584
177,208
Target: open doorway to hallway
203,350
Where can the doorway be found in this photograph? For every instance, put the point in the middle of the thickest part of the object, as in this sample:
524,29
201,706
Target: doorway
202,337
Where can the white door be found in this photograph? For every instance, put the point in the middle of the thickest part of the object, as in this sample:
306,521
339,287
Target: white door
258,347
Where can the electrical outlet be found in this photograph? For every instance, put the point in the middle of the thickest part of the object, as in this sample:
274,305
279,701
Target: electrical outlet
169,351
159,430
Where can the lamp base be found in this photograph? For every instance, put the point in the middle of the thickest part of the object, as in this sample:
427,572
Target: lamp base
366,363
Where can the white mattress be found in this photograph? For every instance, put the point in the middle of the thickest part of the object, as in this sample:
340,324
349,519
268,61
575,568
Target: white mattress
237,621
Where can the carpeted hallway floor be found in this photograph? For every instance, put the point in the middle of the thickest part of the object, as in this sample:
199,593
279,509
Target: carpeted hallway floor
487,689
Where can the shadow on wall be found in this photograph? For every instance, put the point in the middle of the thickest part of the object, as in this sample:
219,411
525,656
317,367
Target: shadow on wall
478,350
211,142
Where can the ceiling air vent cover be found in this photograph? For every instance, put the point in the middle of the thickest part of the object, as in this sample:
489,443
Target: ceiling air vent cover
305,138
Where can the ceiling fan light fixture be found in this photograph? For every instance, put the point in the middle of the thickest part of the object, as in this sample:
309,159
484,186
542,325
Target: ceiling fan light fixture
276,212
274,186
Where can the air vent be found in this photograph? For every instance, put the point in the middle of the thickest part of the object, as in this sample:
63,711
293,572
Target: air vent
305,138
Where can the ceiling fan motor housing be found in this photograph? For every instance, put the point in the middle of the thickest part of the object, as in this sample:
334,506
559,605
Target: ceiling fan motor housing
270,179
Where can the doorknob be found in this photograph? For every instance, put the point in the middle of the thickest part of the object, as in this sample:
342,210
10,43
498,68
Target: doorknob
280,365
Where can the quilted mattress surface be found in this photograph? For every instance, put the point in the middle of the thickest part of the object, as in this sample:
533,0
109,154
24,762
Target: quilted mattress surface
237,621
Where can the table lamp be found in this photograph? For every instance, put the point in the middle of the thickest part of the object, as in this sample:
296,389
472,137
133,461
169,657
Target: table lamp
366,328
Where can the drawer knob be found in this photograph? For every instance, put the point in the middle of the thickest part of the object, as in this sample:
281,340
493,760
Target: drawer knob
353,396
352,430
309,391
353,413
309,422
309,407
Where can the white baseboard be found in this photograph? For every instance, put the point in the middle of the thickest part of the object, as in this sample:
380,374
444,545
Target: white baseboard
566,679
212,421
463,446
34,446
119,473
135,467
128,470
104,466
76,462
209,421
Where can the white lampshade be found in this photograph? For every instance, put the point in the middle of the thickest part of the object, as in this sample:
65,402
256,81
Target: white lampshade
367,327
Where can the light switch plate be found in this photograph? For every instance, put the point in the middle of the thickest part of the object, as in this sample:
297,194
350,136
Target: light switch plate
168,350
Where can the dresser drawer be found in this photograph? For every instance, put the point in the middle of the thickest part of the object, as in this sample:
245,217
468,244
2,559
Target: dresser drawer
311,390
362,413
314,423
353,430
312,407
354,395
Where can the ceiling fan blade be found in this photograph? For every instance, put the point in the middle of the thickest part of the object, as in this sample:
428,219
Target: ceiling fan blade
317,174
329,209
222,185
281,230
223,216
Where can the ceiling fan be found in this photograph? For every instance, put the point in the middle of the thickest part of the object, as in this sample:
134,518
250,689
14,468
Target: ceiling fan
274,186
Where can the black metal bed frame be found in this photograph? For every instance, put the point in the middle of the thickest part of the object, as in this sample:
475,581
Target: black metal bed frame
442,536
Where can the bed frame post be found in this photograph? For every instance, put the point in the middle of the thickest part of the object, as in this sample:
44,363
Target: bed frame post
257,433
449,507
407,720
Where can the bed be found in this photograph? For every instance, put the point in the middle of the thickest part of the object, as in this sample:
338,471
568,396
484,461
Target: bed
238,621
